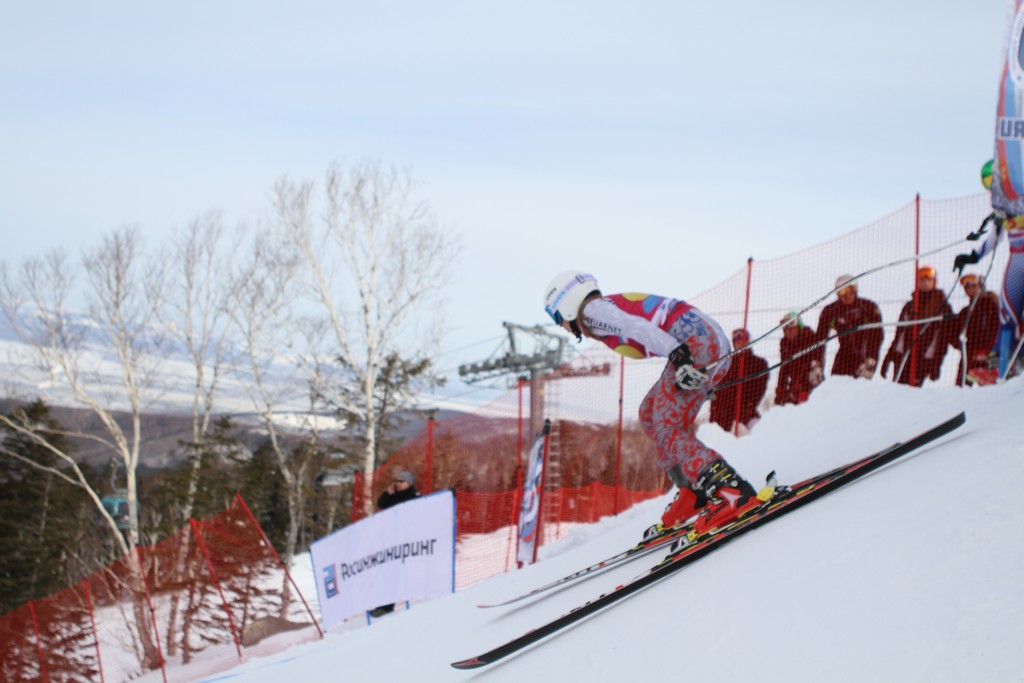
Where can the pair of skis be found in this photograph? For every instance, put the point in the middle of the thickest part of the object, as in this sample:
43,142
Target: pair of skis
673,535
784,500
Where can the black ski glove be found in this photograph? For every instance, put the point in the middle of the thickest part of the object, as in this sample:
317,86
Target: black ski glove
962,260
688,375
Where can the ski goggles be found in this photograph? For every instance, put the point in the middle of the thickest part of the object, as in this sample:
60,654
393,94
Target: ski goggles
848,289
971,280
926,271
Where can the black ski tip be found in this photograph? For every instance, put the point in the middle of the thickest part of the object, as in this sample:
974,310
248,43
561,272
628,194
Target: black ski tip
471,663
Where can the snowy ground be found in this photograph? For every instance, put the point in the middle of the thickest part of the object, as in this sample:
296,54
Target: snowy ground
913,574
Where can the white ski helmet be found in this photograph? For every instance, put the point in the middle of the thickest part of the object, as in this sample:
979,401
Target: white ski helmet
567,290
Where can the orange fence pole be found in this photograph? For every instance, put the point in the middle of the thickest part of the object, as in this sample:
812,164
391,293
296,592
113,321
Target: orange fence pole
252,518
39,641
618,453
517,496
357,497
152,613
743,359
430,455
95,634
916,297
220,591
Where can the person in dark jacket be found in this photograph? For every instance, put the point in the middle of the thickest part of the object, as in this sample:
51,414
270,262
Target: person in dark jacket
917,351
747,394
401,490
800,372
978,324
857,323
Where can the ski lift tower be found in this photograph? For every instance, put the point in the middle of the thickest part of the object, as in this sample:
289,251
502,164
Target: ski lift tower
550,350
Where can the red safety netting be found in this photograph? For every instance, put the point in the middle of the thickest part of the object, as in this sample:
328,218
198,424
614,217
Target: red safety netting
196,603
600,462
935,230
50,639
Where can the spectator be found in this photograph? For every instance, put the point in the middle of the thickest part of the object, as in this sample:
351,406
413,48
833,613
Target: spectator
857,323
736,390
402,489
917,351
800,372
978,324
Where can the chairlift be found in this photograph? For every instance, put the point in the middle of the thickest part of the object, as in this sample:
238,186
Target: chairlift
116,506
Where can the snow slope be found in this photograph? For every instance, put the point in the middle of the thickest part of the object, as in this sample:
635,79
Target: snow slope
913,574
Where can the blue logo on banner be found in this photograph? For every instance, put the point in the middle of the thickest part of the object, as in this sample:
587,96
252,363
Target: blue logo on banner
330,582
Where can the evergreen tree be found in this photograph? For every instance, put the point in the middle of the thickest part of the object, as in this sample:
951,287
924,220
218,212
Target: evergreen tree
165,503
398,377
44,517
263,490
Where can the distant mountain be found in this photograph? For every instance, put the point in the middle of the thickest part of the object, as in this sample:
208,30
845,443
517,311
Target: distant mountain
167,414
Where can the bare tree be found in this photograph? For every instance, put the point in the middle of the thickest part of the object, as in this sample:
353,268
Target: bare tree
196,306
71,348
264,318
375,263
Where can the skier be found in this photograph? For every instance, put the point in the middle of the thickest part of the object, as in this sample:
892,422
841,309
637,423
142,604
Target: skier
643,326
1011,294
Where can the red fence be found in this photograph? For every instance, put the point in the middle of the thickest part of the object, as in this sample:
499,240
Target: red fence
933,229
600,461
190,606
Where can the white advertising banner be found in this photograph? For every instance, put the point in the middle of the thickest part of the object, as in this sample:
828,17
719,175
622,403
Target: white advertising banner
529,513
406,552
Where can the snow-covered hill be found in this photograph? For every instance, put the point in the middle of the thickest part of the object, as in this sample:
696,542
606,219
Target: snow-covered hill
913,574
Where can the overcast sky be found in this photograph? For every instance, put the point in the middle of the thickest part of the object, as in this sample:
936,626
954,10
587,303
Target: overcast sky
656,144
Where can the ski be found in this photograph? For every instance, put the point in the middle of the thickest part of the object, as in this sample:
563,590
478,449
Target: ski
679,534
785,500
639,550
